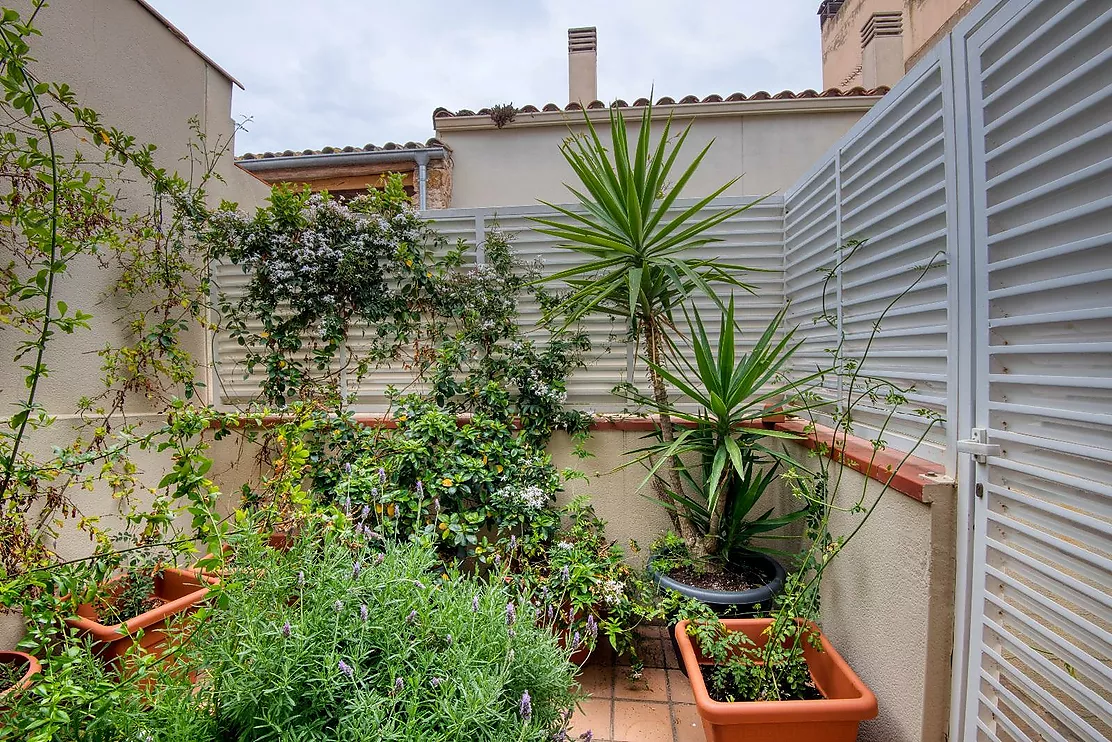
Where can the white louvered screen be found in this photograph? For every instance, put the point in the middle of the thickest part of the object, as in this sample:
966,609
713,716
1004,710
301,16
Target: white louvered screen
884,184
1039,77
752,239
810,254
369,393
606,363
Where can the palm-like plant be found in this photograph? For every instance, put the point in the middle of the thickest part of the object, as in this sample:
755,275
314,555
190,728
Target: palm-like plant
725,396
638,261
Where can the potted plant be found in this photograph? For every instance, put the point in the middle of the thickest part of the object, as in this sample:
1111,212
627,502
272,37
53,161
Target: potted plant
638,265
755,679
139,606
725,464
579,583
16,672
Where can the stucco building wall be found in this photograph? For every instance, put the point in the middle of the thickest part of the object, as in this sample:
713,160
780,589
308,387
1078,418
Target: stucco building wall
125,63
769,144
923,22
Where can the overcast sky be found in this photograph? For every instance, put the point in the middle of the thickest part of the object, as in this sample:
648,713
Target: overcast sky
338,72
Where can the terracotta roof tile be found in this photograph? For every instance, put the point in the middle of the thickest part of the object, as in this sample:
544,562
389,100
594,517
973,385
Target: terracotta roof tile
442,112
431,143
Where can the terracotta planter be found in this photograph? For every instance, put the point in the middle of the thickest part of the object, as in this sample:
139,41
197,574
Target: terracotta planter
845,704
32,668
178,591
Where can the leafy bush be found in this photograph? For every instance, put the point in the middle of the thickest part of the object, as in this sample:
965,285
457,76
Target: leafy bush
450,481
580,581
336,639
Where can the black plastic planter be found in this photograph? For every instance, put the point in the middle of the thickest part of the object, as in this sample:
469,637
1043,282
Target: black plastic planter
732,603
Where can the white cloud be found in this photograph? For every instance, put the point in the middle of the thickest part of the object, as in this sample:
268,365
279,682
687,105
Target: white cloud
339,72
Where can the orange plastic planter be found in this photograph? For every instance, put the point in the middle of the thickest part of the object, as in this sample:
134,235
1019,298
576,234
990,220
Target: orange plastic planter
845,704
32,668
178,592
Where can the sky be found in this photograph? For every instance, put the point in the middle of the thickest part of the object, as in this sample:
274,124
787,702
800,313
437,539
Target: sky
351,72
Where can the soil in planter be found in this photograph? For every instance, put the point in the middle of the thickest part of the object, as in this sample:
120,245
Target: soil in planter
134,597
11,673
733,578
721,688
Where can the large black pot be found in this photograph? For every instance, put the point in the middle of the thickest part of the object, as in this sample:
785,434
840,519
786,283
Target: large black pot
732,603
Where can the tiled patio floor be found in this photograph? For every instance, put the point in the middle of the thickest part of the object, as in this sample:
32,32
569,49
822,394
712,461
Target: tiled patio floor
658,707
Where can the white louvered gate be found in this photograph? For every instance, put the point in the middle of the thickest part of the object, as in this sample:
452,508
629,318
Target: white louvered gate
1038,80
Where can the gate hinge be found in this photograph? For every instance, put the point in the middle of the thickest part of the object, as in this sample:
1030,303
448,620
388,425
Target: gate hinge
978,446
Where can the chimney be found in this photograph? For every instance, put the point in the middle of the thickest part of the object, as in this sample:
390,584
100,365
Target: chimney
582,65
882,61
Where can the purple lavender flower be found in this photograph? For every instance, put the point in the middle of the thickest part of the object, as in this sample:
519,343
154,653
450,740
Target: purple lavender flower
381,475
497,560
380,558
347,505
419,584
571,616
358,529
339,605
587,736
398,685
565,573
561,735
576,640
411,618
448,640
513,542
365,512
356,569
301,579
592,627
347,467
511,614
287,629
551,613
420,488
436,506
435,682
526,707
363,612
347,669
475,604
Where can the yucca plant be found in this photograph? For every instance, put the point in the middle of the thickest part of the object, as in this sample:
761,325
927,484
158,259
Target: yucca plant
638,262
725,394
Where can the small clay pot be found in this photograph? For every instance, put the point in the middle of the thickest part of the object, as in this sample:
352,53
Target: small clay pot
177,591
31,666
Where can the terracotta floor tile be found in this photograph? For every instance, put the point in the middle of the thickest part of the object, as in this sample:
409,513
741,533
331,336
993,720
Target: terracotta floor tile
637,721
681,687
651,686
652,653
597,680
593,715
689,727
671,659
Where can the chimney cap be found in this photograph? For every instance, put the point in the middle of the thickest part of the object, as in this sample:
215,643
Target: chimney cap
583,39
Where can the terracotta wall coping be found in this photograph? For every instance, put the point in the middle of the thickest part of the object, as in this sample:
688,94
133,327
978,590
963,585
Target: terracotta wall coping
915,477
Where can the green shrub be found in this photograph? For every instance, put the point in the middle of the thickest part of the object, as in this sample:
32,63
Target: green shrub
336,640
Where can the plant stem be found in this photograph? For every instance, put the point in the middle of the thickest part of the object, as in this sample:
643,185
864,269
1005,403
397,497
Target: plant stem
44,333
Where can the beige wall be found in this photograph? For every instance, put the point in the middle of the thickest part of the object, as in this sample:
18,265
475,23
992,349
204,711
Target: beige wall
769,144
124,63
924,21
